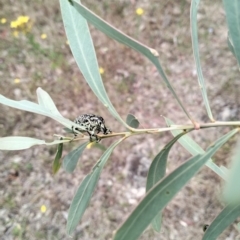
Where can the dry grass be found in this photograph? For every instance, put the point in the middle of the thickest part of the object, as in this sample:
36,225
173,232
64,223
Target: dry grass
133,86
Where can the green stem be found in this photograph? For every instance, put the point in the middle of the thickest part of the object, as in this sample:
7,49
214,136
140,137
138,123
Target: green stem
173,127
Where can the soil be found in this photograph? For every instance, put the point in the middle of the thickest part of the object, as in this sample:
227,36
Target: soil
134,86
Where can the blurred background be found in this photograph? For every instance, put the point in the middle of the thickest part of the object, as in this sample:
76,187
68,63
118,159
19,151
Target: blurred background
34,52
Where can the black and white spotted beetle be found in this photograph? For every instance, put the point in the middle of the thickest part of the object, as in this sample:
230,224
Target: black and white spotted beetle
93,125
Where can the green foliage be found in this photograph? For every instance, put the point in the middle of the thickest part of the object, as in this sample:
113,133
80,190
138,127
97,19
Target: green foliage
162,193
46,101
160,189
85,190
231,194
233,16
57,162
193,16
71,159
230,45
42,108
157,172
193,148
20,143
119,36
84,53
132,121
226,217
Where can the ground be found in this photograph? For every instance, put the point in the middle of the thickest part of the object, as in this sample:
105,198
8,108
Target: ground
133,84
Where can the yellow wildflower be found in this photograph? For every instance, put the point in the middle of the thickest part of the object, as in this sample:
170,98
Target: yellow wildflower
22,19
3,20
67,42
17,80
14,24
22,24
43,36
43,208
101,70
139,11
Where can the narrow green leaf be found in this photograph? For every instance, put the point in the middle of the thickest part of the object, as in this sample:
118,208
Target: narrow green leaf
57,162
82,48
233,16
192,147
224,169
163,192
71,159
129,118
132,121
194,33
215,168
20,143
67,130
226,217
99,146
157,222
158,167
230,44
238,226
231,191
36,108
46,101
157,171
119,36
85,190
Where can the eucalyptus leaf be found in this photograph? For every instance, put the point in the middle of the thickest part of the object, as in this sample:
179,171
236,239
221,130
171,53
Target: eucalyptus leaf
224,169
85,190
230,44
132,121
46,101
233,16
57,162
129,118
231,191
157,222
192,147
39,109
163,192
20,143
157,171
67,130
194,33
82,48
71,159
226,217
119,36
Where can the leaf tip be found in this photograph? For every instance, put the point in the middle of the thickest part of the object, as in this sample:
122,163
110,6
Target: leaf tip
154,52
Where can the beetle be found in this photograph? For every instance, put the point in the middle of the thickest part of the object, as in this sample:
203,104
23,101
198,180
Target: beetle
93,124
